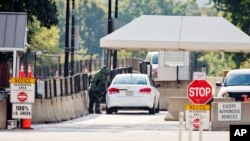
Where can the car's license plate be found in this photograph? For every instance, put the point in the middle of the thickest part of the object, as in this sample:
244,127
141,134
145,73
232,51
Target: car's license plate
129,93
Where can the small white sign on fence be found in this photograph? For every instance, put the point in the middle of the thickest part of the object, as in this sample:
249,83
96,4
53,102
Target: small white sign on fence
229,111
199,76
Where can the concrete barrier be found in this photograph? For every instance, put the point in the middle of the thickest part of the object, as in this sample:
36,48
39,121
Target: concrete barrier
174,89
37,113
166,94
71,108
48,110
3,115
84,103
77,105
224,125
177,105
65,108
57,108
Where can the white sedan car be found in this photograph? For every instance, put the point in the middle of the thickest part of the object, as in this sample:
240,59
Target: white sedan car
236,84
132,91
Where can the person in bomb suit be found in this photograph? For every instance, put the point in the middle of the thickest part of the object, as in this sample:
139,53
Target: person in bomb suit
97,87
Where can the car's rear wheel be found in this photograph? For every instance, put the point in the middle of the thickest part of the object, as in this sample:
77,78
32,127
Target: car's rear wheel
157,110
152,110
116,109
109,110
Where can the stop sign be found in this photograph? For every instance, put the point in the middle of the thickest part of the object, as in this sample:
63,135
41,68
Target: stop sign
199,91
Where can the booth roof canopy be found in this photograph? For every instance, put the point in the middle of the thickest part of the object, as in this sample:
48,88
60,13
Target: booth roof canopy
13,33
187,33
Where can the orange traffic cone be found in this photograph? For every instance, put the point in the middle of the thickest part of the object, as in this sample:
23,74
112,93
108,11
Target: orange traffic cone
21,72
29,71
245,98
26,123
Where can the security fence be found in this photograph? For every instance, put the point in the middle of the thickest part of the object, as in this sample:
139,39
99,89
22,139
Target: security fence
56,87
50,66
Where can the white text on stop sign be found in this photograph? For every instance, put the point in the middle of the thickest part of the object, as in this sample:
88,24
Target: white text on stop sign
199,91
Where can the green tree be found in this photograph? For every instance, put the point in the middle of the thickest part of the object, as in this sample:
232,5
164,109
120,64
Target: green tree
43,38
238,12
92,22
217,62
44,10
131,9
90,17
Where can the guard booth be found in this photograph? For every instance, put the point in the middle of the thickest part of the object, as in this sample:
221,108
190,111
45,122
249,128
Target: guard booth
179,34
13,36
183,33
13,42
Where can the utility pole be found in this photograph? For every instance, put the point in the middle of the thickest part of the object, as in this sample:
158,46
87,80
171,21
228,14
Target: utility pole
16,6
110,29
66,62
72,37
115,51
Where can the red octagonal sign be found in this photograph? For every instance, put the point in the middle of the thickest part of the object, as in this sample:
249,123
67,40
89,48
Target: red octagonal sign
199,92
22,96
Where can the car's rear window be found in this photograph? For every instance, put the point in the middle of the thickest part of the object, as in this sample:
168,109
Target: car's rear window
237,80
140,80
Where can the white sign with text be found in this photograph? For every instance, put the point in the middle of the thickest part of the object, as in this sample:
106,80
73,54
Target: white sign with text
229,111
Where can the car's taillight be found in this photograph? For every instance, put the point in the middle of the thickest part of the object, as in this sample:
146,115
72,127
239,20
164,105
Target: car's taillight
145,90
113,91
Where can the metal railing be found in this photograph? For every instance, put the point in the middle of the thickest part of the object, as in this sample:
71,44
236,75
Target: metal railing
56,87
83,66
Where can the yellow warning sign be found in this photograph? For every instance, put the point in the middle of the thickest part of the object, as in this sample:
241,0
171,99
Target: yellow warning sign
23,80
197,107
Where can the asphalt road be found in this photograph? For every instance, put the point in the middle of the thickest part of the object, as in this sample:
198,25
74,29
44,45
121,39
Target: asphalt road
124,126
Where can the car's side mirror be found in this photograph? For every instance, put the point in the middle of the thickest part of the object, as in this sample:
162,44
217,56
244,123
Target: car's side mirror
157,85
218,84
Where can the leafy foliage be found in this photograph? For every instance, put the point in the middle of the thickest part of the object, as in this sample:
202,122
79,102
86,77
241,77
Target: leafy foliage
43,39
217,62
44,10
131,9
238,12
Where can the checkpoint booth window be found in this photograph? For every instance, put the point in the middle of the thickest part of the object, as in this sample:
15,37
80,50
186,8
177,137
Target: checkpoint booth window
174,58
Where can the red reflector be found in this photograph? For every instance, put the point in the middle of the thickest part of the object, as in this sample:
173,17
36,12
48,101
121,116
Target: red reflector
113,90
145,90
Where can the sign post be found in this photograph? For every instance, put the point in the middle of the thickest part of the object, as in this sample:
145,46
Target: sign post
197,111
22,90
21,111
199,93
22,96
